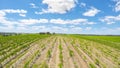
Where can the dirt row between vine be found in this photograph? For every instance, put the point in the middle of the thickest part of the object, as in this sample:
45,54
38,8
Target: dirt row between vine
77,59
54,60
43,57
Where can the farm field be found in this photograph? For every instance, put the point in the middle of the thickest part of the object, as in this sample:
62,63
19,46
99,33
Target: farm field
59,51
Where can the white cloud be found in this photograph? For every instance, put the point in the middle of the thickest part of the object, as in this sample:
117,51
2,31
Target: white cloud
28,21
90,23
21,12
82,4
6,27
75,21
14,11
5,21
117,5
72,26
88,28
2,13
59,28
77,28
32,21
38,27
20,28
33,5
108,31
58,6
58,21
2,16
23,22
43,20
23,15
110,19
28,25
91,12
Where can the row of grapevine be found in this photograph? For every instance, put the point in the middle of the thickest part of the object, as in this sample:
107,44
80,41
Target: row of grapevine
12,46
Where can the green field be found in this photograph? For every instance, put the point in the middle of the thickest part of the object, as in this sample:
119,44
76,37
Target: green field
112,41
59,51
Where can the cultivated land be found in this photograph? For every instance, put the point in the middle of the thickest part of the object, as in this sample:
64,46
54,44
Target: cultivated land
59,51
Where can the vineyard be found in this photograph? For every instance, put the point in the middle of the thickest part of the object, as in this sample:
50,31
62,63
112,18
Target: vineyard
59,51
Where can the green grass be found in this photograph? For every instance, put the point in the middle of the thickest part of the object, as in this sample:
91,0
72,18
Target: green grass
60,65
60,47
97,62
71,53
91,65
60,57
49,54
44,65
112,41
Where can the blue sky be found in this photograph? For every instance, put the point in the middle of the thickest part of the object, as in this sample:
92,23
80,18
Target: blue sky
61,16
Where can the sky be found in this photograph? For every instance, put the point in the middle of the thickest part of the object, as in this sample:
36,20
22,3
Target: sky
60,16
